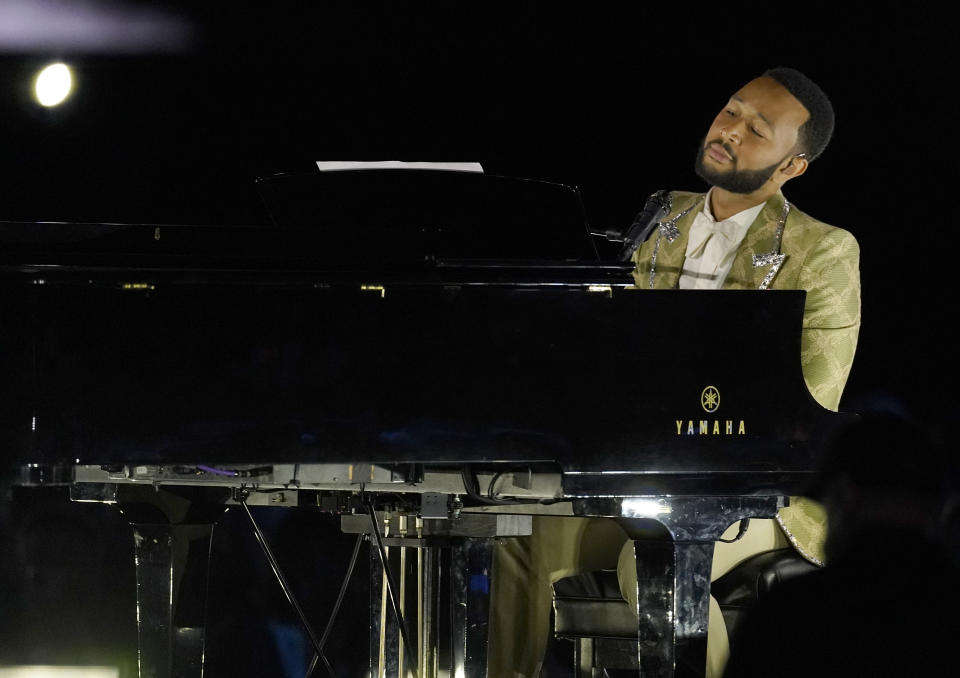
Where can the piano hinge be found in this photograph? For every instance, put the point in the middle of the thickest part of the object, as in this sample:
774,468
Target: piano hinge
375,288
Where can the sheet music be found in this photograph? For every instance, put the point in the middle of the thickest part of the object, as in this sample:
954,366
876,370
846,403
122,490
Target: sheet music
336,165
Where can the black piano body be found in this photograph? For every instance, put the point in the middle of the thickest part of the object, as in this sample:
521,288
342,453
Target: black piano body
390,334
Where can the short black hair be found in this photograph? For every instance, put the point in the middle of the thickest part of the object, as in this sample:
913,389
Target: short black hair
815,133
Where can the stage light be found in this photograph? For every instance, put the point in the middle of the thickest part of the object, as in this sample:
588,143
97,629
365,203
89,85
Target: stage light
59,672
53,85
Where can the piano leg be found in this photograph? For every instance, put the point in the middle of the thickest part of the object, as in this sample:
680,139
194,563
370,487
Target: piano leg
172,537
673,605
673,570
170,560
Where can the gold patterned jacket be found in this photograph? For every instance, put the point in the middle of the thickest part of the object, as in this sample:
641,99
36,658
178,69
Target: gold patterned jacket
810,255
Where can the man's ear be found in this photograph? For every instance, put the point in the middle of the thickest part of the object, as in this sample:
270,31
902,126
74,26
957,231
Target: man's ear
791,169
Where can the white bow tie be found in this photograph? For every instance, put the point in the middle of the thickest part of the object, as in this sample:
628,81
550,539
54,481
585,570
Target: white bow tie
703,230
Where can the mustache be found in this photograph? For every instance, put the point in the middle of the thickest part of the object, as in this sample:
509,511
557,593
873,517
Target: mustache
724,145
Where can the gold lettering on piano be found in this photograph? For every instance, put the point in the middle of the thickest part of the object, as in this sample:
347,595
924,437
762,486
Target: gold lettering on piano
710,402
704,427
136,286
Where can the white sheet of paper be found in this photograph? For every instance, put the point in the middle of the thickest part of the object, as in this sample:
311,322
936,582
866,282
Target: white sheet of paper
334,165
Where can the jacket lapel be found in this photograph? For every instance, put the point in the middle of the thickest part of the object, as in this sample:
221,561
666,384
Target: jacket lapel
670,254
756,257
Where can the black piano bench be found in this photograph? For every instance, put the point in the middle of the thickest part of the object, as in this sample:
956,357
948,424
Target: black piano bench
751,580
589,610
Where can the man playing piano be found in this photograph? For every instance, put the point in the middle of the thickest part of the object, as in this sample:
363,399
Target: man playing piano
741,234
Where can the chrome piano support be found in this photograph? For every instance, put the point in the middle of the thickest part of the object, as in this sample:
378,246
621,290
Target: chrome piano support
454,593
453,567
173,518
172,531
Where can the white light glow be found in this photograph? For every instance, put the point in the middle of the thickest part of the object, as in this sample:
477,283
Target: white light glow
92,26
644,508
59,672
53,84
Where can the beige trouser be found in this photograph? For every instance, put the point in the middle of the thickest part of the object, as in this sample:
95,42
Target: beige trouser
525,568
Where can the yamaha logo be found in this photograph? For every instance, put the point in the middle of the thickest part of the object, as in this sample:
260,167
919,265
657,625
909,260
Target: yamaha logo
710,399
710,402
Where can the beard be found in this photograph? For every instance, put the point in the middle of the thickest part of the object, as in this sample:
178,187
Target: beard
733,180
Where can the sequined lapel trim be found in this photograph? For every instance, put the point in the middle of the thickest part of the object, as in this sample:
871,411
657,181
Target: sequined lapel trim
796,544
773,259
667,229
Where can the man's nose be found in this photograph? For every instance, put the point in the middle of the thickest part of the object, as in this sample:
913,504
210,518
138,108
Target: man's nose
732,132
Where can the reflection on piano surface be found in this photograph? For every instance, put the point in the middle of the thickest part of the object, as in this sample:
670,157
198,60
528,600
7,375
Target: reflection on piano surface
434,355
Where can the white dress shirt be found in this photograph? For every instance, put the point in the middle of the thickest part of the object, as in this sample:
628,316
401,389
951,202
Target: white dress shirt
712,246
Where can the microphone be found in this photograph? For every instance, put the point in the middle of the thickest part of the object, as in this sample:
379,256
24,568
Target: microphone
656,208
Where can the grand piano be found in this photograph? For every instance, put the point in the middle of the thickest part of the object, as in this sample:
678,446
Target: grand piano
436,356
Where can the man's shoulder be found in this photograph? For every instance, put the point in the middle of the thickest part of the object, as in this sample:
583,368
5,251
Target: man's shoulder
802,225
681,200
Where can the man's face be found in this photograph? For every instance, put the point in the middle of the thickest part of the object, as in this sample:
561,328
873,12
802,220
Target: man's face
751,137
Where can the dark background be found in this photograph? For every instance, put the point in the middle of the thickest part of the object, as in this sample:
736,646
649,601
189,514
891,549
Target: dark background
613,102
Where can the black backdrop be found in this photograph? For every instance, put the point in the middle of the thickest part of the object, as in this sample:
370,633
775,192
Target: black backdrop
611,101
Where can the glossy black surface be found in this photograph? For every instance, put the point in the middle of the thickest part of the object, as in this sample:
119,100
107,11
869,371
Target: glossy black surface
183,344
274,372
